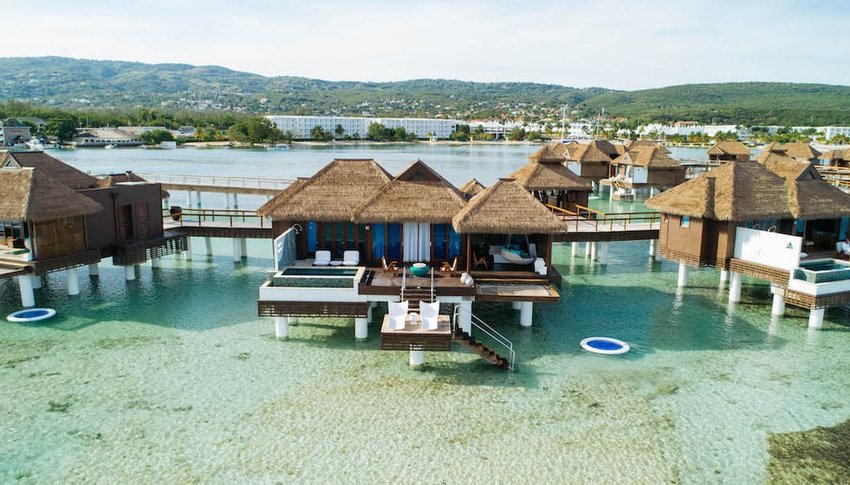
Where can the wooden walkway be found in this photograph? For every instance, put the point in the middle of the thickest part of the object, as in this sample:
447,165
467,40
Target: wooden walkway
586,224
226,223
218,184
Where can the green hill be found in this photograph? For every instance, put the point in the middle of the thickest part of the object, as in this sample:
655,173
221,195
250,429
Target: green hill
742,103
85,84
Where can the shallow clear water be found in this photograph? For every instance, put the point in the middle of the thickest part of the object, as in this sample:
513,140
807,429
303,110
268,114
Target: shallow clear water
173,377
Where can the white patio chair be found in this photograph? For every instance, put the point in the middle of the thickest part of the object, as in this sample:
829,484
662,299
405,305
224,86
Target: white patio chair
398,314
351,258
428,314
323,258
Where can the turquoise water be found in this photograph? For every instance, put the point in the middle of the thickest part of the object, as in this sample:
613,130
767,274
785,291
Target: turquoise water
173,377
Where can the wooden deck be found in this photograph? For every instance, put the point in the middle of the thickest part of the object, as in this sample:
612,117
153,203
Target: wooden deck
413,337
226,223
591,225
385,283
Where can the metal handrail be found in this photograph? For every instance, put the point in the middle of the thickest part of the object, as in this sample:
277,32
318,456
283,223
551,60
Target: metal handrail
489,331
607,218
220,181
197,216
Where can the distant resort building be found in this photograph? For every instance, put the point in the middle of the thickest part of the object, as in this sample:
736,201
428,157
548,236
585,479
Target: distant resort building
423,128
13,134
101,137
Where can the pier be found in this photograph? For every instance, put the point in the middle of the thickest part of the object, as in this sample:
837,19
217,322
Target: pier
220,184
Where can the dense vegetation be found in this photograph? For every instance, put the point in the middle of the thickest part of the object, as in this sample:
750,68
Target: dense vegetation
744,104
120,93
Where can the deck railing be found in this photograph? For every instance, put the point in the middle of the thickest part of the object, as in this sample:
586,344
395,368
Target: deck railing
230,217
219,181
586,219
489,331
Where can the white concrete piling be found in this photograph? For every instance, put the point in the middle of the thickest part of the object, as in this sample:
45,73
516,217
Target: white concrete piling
361,328
73,281
683,275
735,288
525,313
27,293
281,327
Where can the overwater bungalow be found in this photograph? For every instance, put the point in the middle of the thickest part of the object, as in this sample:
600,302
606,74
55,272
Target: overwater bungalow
800,151
552,183
591,160
641,171
837,158
728,151
760,220
387,239
127,225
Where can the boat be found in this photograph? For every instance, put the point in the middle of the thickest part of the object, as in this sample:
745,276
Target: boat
31,315
111,146
39,145
279,147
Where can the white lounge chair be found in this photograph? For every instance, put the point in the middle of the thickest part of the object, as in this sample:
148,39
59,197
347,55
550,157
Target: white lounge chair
323,258
398,314
351,258
428,314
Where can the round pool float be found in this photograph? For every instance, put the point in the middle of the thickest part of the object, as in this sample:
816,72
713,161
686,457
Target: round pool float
604,346
31,315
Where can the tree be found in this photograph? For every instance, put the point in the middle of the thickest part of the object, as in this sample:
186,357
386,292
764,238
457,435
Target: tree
339,131
517,134
462,133
535,135
62,128
319,134
155,137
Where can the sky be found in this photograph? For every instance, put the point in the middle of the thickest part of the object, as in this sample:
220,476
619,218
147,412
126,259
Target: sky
633,44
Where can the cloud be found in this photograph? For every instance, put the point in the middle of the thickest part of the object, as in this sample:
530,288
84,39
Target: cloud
616,44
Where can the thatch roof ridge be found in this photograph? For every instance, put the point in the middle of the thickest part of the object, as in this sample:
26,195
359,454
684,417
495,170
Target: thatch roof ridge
551,152
735,148
800,150
654,156
506,208
33,195
596,151
432,199
53,167
334,192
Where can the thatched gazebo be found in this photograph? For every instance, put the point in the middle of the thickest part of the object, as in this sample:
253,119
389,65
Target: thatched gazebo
645,167
552,183
50,215
728,151
471,188
505,208
423,203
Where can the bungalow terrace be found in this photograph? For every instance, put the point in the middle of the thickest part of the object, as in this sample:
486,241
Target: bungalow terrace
728,151
122,220
760,220
641,170
353,236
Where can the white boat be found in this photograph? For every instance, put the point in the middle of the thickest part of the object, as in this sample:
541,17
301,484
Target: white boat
279,147
109,147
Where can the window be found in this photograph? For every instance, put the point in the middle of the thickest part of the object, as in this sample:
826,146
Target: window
685,221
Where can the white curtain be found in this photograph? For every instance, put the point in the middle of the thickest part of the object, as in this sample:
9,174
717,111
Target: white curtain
417,242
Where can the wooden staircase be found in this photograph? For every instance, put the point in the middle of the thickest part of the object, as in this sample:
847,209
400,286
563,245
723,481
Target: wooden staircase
415,295
482,350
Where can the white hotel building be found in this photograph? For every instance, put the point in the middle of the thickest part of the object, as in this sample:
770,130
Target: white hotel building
300,126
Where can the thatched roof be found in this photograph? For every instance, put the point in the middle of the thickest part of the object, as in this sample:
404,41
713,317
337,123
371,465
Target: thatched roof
539,175
32,195
737,191
417,194
114,179
632,144
783,165
734,148
596,151
832,155
472,187
332,194
506,208
800,150
55,169
266,209
551,152
741,191
650,156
